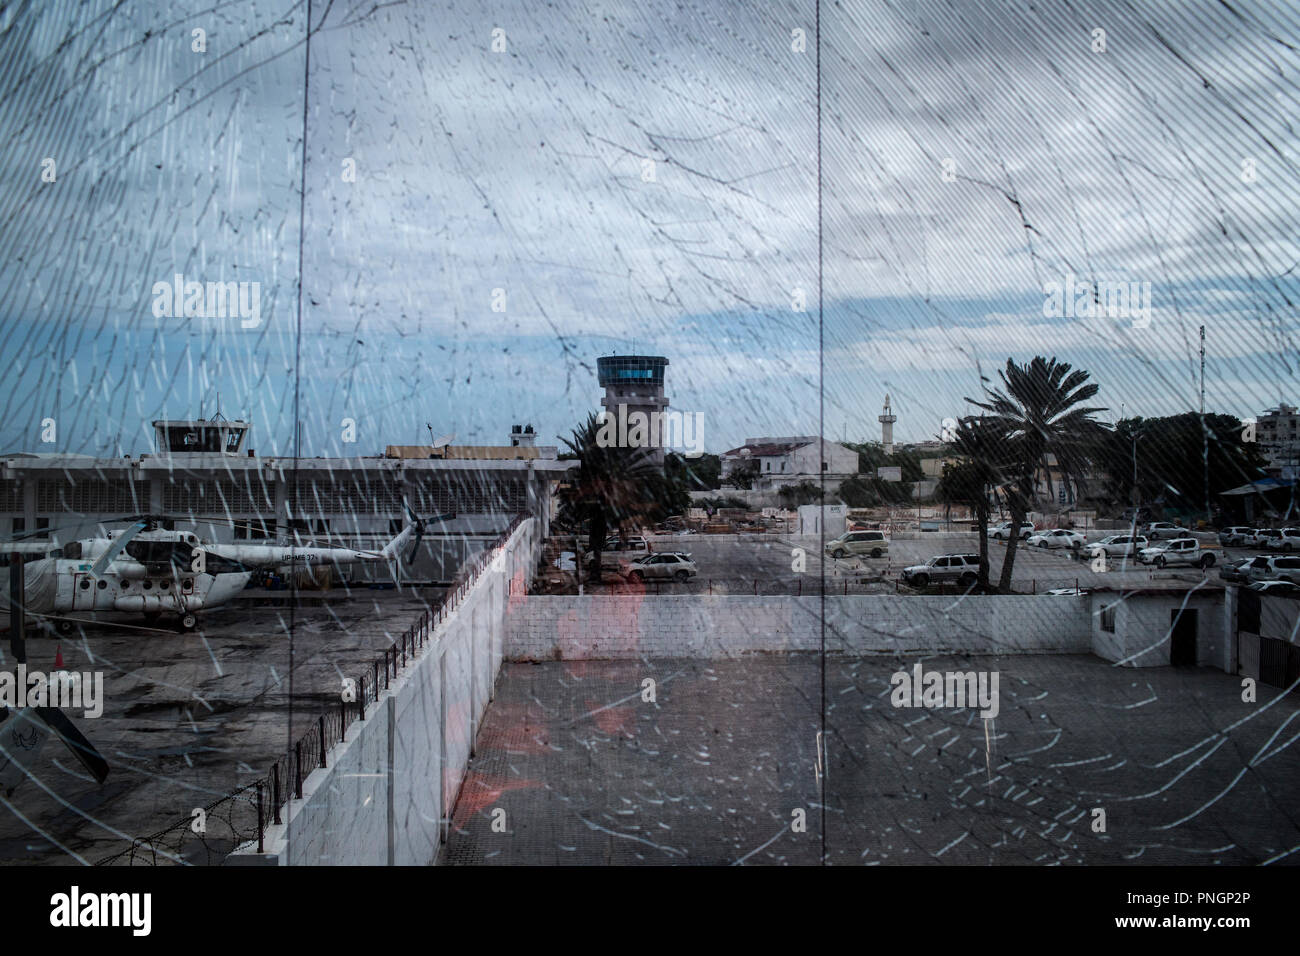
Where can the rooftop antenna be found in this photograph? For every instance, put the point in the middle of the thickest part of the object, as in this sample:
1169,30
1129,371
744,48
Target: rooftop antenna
442,440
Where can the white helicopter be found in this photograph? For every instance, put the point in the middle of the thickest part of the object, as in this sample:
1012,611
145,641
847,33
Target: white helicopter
150,571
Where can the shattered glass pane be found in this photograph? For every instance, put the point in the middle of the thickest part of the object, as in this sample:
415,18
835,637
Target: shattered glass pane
657,433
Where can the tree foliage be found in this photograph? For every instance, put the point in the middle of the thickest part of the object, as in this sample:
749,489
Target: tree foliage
614,487
1169,454
1037,412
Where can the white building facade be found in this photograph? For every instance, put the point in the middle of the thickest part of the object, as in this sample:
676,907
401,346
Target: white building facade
1278,434
776,462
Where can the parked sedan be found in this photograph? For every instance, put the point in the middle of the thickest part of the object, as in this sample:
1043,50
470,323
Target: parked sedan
1118,546
662,565
1002,532
1234,572
1056,538
1277,588
1236,536
1166,529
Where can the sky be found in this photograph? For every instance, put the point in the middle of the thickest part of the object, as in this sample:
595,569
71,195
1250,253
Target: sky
496,194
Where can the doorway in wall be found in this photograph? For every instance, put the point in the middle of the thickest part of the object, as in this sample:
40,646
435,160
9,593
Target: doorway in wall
1182,637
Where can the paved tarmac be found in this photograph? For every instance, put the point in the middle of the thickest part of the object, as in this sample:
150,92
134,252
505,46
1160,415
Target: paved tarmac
719,768
191,717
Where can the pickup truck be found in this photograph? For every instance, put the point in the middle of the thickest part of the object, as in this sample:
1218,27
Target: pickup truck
1187,551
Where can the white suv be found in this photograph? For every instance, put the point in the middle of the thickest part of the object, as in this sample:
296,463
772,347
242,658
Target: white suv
1284,569
1056,538
1260,568
1283,539
617,554
942,569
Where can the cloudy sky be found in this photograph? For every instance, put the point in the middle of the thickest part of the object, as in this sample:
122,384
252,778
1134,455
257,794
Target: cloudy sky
499,193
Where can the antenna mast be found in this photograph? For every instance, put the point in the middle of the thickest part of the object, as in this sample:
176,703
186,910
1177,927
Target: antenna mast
1205,436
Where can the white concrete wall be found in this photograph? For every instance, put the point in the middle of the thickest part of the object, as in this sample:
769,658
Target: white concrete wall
1142,628
566,627
390,785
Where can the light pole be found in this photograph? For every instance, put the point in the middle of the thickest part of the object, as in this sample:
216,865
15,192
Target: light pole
1132,547
1136,436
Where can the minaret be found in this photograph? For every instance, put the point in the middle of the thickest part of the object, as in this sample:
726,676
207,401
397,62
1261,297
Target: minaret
887,419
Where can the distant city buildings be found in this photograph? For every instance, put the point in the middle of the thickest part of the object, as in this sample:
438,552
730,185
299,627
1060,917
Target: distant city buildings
1278,434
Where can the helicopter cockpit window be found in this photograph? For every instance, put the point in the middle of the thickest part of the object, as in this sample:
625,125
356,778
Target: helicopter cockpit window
70,550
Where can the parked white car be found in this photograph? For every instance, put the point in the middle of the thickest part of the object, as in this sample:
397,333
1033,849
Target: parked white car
619,553
1257,538
661,565
1056,538
1179,551
869,543
1278,588
1258,568
1235,572
1002,532
1283,539
1236,536
1118,546
964,569
1284,569
1166,529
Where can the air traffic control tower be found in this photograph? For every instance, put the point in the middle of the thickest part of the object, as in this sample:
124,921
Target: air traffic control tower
636,382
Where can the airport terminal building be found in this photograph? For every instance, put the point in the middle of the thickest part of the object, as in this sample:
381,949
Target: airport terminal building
201,475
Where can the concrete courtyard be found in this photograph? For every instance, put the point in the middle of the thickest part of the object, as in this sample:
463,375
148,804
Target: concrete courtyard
722,765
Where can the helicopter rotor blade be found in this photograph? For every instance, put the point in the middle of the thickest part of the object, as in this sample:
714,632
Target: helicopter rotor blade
74,740
118,546
415,545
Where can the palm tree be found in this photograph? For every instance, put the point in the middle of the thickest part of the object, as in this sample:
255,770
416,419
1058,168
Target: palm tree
1035,414
611,486
970,480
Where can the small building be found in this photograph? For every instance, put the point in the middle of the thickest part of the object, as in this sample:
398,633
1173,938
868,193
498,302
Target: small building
828,519
1157,627
776,462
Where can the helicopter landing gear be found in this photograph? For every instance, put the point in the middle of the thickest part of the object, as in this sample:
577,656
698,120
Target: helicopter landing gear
187,622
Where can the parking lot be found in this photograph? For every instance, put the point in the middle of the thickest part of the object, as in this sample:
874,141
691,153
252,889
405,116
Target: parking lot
781,564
